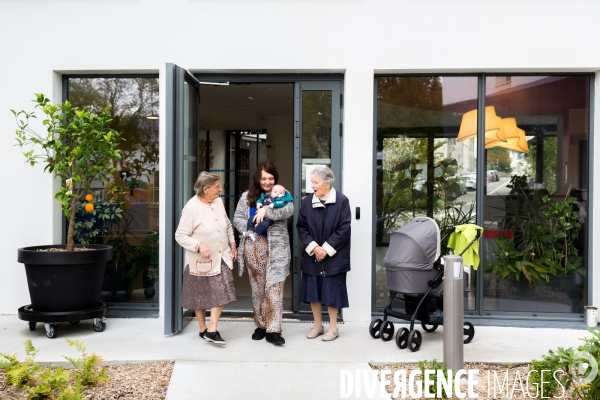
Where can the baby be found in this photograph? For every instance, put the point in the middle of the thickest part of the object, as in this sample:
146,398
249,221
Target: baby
278,198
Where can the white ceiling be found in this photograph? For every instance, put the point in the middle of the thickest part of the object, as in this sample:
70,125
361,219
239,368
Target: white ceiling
227,107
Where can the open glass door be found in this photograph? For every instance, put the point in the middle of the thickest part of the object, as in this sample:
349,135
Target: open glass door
181,169
317,141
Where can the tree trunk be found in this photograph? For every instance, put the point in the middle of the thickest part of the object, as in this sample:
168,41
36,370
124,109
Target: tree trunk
70,241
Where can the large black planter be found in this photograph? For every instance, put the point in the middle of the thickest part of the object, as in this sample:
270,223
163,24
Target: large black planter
64,280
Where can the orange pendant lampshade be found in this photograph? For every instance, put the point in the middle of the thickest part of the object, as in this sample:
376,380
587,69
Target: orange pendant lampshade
468,125
515,137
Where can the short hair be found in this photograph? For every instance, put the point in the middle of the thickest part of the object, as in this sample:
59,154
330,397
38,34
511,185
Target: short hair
324,173
205,179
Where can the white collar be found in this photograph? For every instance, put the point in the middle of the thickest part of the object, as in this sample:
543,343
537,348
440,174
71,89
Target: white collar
330,199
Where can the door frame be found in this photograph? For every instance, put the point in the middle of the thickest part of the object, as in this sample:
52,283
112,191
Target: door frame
174,173
176,77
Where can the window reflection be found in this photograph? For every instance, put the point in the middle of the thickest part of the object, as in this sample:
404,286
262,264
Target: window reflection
132,274
421,168
535,215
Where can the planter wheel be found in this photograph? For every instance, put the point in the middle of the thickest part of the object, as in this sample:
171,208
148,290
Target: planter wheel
374,328
469,332
32,325
73,322
402,338
414,340
51,331
387,331
99,324
426,327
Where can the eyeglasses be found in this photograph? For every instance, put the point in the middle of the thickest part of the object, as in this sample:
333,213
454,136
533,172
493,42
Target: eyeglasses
218,187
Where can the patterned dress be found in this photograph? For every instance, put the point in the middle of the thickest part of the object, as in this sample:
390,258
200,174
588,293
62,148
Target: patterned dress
268,263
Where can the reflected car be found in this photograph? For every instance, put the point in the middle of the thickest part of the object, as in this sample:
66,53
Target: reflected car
456,192
470,181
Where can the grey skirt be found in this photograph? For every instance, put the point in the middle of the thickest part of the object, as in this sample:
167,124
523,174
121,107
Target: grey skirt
206,292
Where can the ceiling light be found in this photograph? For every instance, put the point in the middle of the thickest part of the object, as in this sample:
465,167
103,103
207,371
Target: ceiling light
468,125
250,98
152,116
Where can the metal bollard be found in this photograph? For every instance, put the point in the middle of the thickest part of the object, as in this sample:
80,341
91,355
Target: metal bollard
453,312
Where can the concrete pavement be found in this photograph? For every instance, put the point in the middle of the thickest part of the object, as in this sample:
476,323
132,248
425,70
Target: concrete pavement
301,369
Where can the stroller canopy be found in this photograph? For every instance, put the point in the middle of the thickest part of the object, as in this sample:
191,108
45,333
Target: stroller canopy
415,246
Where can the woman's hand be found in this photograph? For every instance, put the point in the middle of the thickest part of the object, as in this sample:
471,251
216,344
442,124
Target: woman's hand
202,249
233,251
320,253
260,215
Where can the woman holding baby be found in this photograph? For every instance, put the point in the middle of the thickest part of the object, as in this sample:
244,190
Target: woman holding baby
267,254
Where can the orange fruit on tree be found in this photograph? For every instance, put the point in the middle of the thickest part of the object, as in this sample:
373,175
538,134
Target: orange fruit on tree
89,197
89,207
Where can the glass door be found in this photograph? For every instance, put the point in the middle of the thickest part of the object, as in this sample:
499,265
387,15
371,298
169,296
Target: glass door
181,168
318,134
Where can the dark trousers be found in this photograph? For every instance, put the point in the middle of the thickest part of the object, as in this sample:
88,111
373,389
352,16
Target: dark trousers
260,229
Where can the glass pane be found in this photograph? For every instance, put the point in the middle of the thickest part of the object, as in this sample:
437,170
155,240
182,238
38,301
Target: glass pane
535,209
132,275
316,133
422,169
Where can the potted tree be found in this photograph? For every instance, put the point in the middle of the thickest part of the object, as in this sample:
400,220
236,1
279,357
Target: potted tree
78,148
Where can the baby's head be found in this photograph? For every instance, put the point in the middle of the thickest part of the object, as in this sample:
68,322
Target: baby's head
277,191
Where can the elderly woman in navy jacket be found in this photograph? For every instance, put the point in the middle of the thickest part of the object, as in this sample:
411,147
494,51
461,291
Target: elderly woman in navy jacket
324,230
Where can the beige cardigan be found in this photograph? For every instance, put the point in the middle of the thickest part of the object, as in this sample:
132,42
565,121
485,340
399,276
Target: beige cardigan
208,224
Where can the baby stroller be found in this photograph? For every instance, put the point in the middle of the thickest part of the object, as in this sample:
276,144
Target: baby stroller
414,269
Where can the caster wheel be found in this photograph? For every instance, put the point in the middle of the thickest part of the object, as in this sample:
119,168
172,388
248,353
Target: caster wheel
32,325
149,293
414,340
73,322
99,326
50,331
387,331
469,332
426,327
402,338
374,328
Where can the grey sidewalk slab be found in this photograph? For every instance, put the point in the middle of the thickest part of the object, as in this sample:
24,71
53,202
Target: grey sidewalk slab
302,368
268,380
142,340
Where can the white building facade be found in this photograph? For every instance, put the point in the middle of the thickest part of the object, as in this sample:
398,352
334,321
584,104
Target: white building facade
353,62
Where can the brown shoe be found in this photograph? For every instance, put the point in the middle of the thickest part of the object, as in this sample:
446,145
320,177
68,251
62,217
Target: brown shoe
330,336
314,332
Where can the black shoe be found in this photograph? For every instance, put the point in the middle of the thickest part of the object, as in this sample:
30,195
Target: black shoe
214,337
275,338
259,334
203,333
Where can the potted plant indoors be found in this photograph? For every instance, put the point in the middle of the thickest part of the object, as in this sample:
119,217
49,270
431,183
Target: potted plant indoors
78,148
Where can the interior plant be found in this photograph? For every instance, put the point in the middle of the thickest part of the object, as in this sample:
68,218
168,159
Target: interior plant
543,230
78,148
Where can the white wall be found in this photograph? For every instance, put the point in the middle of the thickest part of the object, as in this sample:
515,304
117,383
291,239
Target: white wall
358,38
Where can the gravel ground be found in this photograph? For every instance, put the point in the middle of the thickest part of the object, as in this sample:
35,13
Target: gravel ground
481,388
148,381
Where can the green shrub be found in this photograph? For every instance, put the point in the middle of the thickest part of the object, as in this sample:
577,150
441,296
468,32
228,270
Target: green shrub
55,383
434,365
547,363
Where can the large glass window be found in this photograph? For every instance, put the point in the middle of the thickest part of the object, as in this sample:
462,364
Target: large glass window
535,213
131,279
534,187
422,170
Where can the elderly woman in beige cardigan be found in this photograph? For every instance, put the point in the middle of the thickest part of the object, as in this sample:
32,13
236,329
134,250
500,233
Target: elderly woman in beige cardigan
207,236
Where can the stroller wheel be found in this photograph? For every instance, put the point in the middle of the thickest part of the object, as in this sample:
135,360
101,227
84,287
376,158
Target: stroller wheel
426,327
387,331
414,340
402,338
469,332
375,328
